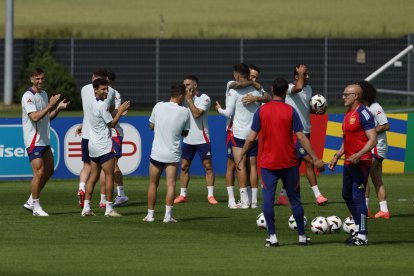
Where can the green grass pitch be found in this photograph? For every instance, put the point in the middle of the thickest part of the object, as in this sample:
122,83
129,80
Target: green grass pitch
207,240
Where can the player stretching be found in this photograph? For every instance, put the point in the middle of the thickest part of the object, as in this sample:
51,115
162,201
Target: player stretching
100,146
379,152
359,137
37,112
298,96
274,123
169,121
197,140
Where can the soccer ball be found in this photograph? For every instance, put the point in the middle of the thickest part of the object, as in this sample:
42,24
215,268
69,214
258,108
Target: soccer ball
334,223
292,222
349,225
319,225
261,221
318,104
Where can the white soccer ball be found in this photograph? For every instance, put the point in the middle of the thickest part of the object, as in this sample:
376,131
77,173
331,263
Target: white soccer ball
318,104
292,222
349,225
261,221
319,225
334,223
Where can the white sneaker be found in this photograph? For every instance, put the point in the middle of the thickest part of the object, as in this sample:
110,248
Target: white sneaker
87,213
254,205
112,213
169,220
119,200
148,219
40,213
232,205
28,207
243,205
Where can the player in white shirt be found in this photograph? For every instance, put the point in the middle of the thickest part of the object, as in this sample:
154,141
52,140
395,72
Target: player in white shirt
379,152
242,120
197,140
170,121
100,146
298,96
37,111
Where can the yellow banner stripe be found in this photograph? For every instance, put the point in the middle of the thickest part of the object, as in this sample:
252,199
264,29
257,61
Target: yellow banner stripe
399,116
334,129
391,166
328,155
395,139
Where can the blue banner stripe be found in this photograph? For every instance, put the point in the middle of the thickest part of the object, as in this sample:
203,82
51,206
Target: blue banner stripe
397,154
338,118
332,142
399,126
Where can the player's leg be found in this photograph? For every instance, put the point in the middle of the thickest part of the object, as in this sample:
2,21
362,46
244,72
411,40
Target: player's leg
108,168
155,171
95,171
85,171
171,179
241,174
269,179
205,154
376,177
254,181
102,202
187,156
38,168
121,197
230,170
347,183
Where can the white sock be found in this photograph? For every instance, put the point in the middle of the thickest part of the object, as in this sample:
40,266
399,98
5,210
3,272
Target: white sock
249,193
82,186
30,200
36,205
367,202
183,192
120,190
383,206
168,211
86,205
254,195
362,237
103,198
230,192
302,238
210,191
315,190
273,238
150,213
356,229
243,195
282,192
109,207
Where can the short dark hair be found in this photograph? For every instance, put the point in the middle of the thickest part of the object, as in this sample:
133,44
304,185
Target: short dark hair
254,67
280,86
98,82
111,75
295,73
369,93
242,69
36,71
100,74
191,77
177,90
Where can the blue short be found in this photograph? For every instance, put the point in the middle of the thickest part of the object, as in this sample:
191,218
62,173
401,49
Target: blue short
37,152
159,164
103,158
229,144
300,151
117,146
188,151
85,151
239,143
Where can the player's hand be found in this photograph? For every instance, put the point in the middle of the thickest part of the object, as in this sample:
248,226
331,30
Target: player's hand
78,130
319,164
354,158
248,99
64,104
301,69
124,106
54,99
189,93
218,106
238,163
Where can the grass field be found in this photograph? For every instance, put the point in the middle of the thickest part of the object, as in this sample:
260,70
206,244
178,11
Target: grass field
207,240
211,18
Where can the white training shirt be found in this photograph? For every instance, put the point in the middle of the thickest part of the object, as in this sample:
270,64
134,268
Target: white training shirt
300,102
199,133
117,131
169,119
243,113
100,140
35,133
380,119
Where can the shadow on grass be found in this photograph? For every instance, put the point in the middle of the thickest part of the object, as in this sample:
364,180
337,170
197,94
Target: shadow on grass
201,218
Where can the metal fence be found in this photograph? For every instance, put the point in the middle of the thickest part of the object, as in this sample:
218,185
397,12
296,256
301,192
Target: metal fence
146,68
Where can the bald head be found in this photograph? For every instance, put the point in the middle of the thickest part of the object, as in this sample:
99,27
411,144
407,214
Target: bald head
352,95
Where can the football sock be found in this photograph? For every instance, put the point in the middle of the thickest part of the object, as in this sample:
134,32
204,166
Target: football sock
383,206
103,198
82,186
367,202
362,237
254,195
282,192
315,190
243,195
183,192
272,238
150,213
210,191
109,207
30,200
302,238
120,190
86,205
168,211
36,204
230,192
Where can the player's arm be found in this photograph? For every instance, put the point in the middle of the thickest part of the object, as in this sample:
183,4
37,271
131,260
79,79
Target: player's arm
305,143
244,84
38,115
382,128
300,82
249,98
372,141
336,157
122,108
186,128
248,144
196,112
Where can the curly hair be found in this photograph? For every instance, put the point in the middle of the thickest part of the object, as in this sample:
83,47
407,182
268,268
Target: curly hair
369,92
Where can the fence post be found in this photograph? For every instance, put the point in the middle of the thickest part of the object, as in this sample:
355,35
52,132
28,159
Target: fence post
157,69
409,70
241,50
325,70
72,55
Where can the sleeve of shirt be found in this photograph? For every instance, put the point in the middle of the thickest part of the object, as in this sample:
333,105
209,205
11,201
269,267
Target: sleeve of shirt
28,103
380,116
256,121
187,121
228,86
296,122
366,119
107,117
117,99
205,103
289,91
152,117
110,100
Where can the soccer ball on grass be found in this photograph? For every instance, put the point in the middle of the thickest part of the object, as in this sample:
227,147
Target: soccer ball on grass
292,222
319,225
261,221
334,223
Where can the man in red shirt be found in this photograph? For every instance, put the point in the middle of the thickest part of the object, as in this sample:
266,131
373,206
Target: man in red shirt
275,123
359,137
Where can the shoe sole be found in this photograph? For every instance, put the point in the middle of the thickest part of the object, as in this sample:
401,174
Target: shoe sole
119,204
28,209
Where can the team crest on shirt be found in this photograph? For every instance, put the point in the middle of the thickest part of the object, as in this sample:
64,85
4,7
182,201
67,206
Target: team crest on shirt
29,100
352,120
